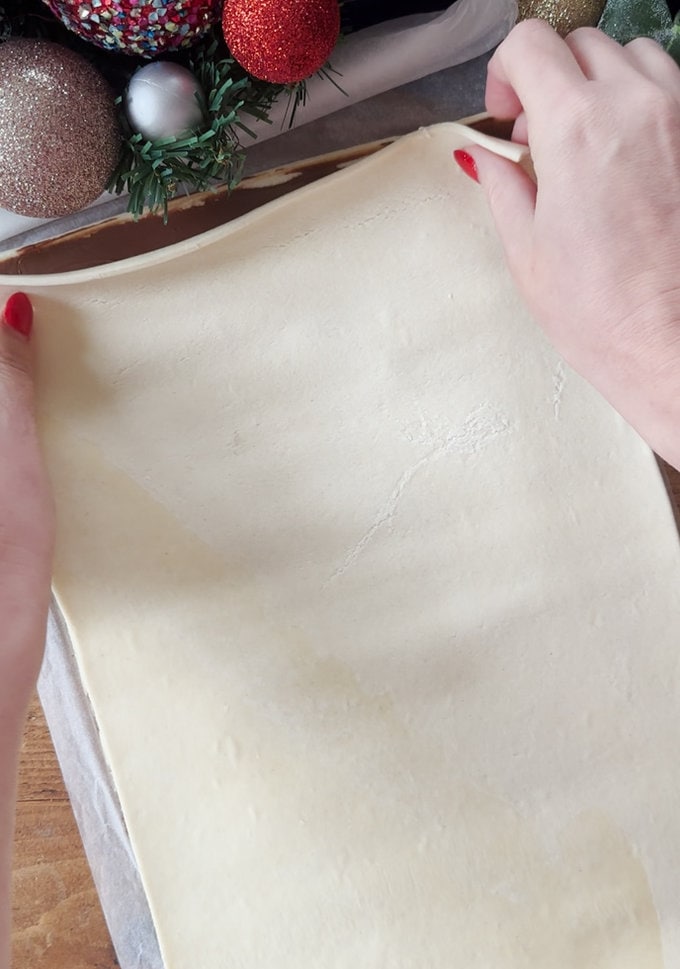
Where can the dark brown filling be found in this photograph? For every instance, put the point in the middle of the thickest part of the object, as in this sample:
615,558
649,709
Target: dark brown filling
121,237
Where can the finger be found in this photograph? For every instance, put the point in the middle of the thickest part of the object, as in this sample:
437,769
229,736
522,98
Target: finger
599,57
26,514
520,130
16,383
26,537
531,70
511,195
652,60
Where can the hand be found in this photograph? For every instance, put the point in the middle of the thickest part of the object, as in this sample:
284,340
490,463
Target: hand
26,514
26,538
594,247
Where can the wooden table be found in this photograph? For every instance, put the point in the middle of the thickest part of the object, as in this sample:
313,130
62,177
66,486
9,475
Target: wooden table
57,919
58,923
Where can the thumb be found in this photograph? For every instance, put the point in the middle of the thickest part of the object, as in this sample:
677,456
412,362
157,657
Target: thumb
511,195
16,379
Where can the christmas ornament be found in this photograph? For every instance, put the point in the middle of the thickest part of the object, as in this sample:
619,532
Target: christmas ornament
153,171
163,100
563,15
59,132
142,27
282,41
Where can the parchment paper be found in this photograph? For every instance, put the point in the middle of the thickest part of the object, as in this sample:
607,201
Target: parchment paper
95,803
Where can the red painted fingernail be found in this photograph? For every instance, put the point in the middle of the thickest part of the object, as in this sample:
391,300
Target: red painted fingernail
18,314
467,163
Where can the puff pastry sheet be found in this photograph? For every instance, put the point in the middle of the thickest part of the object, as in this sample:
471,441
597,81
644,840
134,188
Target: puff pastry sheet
375,601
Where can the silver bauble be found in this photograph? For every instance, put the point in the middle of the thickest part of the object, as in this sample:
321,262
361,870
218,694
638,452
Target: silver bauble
162,101
59,133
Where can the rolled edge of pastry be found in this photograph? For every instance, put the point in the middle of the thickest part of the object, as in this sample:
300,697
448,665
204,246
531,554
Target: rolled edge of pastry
514,152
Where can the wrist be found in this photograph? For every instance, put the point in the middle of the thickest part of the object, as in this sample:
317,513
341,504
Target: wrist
655,387
646,393
633,360
20,661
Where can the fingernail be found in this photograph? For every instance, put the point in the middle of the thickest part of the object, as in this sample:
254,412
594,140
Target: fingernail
18,314
467,163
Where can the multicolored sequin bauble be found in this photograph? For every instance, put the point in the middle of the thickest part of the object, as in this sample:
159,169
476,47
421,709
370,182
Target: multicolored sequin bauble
59,133
281,41
144,27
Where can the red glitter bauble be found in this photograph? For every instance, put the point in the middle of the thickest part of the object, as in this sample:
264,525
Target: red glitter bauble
143,27
282,41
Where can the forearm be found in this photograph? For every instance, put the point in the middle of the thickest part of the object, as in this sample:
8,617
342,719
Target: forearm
26,538
654,412
641,380
22,636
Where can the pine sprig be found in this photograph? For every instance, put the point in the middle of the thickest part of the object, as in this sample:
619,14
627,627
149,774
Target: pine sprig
153,171
298,93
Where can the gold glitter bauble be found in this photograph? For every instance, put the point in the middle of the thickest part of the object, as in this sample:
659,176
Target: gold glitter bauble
563,15
59,133
282,41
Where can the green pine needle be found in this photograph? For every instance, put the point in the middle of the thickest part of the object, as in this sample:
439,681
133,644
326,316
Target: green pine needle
153,171
297,93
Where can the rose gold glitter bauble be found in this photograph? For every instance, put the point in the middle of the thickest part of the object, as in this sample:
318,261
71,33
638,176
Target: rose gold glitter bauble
282,41
563,15
59,134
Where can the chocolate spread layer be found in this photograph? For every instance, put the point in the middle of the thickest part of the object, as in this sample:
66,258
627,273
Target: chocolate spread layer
121,237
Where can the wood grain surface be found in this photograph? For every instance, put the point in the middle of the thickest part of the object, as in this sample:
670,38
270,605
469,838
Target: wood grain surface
58,923
57,920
